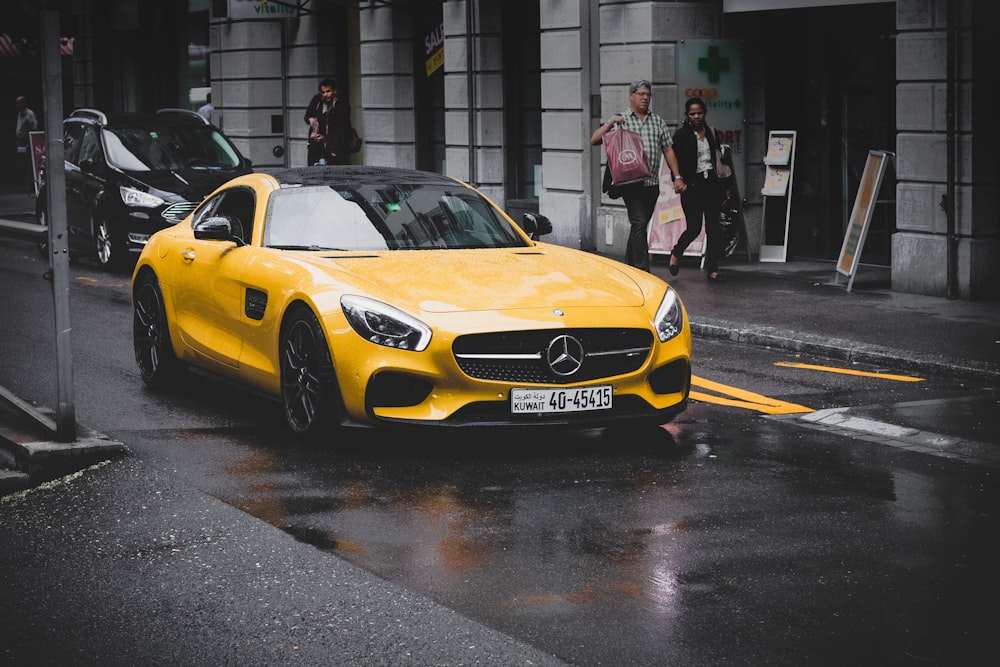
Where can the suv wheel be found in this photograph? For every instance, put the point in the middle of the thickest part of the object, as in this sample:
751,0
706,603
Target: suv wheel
42,219
104,243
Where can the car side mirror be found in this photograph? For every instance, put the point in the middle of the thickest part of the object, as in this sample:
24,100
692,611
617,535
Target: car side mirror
87,165
536,224
216,228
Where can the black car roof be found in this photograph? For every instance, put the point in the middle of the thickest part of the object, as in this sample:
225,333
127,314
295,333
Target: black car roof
346,175
172,117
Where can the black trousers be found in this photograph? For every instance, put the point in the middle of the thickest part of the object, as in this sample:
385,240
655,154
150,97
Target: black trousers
317,151
640,202
702,199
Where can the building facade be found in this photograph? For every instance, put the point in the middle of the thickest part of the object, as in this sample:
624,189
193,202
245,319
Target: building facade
506,96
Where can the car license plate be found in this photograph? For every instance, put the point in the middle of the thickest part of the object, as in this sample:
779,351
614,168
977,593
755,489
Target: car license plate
577,399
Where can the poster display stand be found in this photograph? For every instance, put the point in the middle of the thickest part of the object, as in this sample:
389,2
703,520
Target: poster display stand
779,166
668,221
861,215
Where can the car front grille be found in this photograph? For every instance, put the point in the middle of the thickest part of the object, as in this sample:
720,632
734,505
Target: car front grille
177,212
552,356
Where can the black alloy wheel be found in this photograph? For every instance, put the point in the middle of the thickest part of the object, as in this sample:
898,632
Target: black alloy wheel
307,379
150,337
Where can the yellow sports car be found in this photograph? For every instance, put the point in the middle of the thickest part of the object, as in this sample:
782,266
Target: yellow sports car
366,296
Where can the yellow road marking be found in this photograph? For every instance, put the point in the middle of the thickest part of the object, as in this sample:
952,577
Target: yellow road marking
847,371
740,398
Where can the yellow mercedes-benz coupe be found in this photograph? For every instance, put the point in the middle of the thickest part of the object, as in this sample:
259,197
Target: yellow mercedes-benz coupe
366,296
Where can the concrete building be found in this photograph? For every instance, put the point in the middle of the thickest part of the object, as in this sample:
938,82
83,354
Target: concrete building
506,94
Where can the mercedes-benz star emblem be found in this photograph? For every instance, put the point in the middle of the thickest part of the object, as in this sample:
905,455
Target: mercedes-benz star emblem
565,355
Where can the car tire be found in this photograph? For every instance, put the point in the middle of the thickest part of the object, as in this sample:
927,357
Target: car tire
104,246
154,354
308,386
42,219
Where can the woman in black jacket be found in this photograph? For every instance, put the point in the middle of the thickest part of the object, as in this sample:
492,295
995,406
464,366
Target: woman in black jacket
696,146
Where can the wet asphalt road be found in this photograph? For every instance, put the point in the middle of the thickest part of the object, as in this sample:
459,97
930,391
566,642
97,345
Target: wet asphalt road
728,537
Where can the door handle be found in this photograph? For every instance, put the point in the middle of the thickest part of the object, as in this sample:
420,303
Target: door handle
188,254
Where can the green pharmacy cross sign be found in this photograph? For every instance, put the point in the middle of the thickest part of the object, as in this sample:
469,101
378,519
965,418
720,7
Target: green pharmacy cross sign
713,64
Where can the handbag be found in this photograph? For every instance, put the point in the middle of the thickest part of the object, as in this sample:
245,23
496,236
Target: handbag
626,156
356,141
613,191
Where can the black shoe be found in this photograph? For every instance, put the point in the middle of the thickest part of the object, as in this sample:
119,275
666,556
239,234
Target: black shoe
719,278
674,268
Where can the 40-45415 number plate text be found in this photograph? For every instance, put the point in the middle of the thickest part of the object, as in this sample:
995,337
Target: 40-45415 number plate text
578,399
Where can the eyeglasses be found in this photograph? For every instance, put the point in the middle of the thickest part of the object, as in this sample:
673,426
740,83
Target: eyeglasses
642,94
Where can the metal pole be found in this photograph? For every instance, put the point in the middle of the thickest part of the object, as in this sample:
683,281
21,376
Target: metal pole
470,74
951,237
55,177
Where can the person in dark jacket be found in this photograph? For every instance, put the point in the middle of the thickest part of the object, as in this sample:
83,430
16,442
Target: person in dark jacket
640,198
329,120
696,146
27,122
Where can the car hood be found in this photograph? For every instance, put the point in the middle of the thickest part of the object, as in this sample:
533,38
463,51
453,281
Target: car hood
185,184
445,281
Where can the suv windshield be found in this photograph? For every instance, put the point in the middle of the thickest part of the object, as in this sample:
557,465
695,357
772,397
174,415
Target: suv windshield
168,148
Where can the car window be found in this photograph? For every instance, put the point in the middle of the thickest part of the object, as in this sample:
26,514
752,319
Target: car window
168,147
72,138
237,203
90,149
376,217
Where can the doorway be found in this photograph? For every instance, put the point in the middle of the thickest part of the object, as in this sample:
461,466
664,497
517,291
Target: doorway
831,77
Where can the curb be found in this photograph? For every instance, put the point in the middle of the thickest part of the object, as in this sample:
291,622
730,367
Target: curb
844,350
29,457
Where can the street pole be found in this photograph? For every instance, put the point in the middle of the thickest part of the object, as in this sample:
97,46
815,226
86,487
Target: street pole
55,177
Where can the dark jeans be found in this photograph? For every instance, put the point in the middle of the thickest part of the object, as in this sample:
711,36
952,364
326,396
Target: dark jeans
317,151
640,201
702,199
25,177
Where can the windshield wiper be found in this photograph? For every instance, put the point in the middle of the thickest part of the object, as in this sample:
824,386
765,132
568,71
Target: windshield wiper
305,247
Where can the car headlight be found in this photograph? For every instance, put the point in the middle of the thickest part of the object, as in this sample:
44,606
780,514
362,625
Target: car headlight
669,316
382,324
133,197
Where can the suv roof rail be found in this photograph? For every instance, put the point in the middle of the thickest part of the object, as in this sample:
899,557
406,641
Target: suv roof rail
187,113
95,114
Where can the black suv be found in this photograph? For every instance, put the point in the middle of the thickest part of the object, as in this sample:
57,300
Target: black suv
131,174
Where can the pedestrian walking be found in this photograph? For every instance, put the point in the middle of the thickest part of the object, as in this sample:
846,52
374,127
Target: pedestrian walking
27,122
640,198
696,146
206,109
329,120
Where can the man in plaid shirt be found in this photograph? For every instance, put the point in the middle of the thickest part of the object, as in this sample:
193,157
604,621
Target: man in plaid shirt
640,198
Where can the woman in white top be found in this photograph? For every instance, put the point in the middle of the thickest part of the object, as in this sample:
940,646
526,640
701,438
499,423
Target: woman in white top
695,146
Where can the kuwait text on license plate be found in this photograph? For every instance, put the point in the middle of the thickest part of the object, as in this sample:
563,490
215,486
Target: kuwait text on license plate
560,400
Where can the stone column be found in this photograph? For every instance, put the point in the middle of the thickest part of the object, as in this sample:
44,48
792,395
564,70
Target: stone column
920,246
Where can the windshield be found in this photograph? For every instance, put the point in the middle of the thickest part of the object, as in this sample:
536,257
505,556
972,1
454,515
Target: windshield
385,218
168,148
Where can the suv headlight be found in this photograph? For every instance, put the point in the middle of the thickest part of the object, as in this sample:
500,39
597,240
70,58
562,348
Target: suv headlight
133,197
669,316
382,324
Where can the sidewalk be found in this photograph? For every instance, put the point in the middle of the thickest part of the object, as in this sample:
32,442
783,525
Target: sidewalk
799,305
804,305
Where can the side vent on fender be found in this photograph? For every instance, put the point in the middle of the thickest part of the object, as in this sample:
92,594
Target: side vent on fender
255,304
